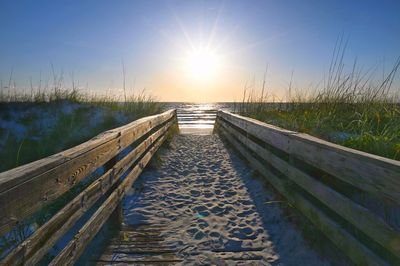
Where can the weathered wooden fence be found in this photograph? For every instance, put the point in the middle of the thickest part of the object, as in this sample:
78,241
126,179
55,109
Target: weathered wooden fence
323,181
329,184
27,189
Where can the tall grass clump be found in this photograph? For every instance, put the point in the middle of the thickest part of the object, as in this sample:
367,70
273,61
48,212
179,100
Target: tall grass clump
47,119
352,108
39,123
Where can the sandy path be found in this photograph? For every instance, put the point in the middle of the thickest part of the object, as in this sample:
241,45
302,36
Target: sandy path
214,208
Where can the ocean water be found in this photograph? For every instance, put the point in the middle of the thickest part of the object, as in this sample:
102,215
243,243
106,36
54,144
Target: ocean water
198,118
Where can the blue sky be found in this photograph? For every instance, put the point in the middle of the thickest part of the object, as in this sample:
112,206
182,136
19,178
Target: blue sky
89,39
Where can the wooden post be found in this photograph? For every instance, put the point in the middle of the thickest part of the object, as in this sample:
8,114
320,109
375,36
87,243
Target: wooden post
116,217
28,188
371,174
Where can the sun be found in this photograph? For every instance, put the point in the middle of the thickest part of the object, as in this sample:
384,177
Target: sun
202,64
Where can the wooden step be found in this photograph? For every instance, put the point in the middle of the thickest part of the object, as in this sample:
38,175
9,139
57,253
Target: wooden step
139,245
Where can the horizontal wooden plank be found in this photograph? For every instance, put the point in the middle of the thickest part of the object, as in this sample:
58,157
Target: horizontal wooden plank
141,241
357,252
197,122
239,255
141,238
75,247
18,175
133,245
28,197
374,174
127,249
272,135
165,259
116,262
141,233
127,228
37,245
358,216
197,115
196,110
131,132
26,189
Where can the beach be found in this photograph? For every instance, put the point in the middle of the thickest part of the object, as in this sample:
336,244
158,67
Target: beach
212,210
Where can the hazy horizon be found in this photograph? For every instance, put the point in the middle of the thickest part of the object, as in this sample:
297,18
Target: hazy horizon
192,51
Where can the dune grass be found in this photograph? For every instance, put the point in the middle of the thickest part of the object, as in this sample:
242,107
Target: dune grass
43,122
38,124
352,109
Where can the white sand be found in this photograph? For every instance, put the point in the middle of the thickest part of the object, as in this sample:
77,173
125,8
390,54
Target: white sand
210,202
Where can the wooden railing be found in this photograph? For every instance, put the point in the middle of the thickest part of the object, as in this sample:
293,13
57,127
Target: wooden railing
27,189
324,182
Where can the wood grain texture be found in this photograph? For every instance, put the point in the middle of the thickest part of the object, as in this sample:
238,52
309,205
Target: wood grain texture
75,247
140,244
358,216
28,188
356,251
371,173
272,135
37,245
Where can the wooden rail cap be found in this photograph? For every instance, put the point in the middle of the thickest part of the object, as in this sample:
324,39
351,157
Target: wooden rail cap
277,154
28,188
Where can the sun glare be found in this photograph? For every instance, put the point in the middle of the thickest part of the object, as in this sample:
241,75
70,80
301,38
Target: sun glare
202,64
